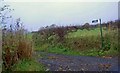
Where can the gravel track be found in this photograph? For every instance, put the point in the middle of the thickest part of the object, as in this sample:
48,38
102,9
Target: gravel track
58,62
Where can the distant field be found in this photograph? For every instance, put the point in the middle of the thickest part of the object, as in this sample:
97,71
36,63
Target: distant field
84,33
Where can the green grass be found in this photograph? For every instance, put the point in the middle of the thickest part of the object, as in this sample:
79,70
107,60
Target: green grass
29,35
58,50
28,65
84,32
88,52
63,50
111,52
42,47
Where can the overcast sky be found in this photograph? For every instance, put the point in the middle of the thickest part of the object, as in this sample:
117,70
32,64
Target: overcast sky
39,14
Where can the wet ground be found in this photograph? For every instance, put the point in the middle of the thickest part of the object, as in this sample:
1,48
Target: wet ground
58,62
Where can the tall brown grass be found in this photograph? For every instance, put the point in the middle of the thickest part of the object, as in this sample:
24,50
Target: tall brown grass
15,45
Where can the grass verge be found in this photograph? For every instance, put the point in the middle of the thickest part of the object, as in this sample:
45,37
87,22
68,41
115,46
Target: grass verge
88,52
28,65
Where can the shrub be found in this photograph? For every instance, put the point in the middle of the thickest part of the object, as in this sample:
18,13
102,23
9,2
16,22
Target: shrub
60,32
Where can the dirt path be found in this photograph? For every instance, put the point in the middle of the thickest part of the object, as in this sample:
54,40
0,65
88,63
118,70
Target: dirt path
58,62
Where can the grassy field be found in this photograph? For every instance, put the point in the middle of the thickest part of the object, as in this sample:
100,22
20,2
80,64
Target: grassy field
88,43
84,32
